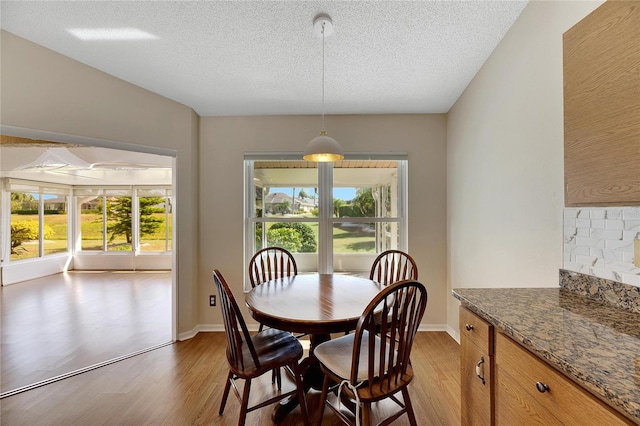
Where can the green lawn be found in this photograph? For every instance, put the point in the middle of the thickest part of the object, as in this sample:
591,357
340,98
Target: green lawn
349,239
91,236
346,239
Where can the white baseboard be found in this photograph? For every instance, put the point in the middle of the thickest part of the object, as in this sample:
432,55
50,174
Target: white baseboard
453,333
254,327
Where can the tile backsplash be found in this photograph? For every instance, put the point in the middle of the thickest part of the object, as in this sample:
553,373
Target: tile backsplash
598,241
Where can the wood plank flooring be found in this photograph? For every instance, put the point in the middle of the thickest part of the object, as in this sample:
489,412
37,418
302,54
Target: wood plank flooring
64,322
181,384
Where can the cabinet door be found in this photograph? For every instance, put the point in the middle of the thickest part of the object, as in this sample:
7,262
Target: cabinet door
602,107
476,384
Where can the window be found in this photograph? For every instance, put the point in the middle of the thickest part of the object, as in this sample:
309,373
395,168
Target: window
121,219
331,216
155,210
39,219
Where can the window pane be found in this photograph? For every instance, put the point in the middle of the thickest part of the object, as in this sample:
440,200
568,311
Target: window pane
285,189
297,237
55,223
91,223
354,237
365,189
153,224
25,226
119,225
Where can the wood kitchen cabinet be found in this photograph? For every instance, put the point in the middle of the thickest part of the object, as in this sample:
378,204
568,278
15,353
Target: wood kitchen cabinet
504,384
528,391
476,369
601,66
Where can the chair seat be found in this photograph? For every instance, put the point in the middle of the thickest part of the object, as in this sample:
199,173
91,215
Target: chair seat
274,348
336,355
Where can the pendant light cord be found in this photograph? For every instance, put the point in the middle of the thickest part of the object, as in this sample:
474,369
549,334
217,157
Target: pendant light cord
323,24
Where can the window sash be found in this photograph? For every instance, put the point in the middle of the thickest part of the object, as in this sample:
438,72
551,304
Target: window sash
325,254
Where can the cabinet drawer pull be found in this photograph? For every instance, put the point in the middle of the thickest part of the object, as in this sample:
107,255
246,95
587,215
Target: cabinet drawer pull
542,387
479,369
468,327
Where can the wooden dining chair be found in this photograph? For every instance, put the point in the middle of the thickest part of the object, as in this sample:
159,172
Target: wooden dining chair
373,363
251,356
392,266
271,263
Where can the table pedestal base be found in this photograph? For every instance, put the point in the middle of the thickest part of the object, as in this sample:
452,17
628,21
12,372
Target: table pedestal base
312,377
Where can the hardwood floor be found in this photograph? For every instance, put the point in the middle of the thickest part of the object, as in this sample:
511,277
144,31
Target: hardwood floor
60,323
181,384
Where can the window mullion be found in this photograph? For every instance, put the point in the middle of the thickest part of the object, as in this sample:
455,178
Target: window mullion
40,224
325,228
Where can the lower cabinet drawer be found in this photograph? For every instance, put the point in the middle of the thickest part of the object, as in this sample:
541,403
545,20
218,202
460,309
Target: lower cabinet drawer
528,391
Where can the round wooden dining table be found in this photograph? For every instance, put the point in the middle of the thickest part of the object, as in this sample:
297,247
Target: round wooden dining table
316,304
313,303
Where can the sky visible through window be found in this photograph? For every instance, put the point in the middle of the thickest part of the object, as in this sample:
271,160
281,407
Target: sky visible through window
346,194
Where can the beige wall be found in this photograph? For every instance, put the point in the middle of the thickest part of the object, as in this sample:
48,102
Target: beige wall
505,159
489,172
224,141
42,90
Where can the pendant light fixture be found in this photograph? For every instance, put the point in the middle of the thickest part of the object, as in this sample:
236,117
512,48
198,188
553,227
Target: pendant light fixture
323,148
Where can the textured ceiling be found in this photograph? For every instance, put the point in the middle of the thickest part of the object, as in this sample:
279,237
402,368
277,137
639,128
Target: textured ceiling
227,58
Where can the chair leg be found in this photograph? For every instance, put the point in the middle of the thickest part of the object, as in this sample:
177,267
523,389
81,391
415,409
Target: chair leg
408,406
276,378
323,398
302,400
245,402
366,413
225,394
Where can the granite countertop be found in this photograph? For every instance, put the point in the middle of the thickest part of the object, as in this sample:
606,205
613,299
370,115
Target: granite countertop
595,344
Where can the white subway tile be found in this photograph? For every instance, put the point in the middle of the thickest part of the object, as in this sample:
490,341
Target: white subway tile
568,247
613,255
587,241
570,213
572,266
630,235
597,213
631,213
604,264
620,245
583,232
632,225
602,273
621,267
631,279
583,214
613,213
597,223
583,223
606,234
585,260
596,252
627,256
580,251
614,224
569,222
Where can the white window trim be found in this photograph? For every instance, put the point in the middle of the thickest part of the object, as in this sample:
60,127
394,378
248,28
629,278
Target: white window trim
325,256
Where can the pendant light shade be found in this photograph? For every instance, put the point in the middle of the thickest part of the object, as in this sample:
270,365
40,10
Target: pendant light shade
323,148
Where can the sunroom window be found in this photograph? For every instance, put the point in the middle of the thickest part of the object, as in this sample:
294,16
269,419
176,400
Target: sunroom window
39,219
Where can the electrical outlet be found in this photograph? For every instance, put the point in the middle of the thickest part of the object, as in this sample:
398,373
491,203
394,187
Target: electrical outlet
212,300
